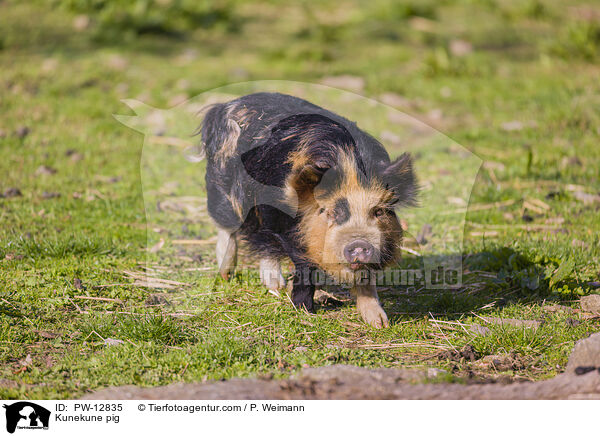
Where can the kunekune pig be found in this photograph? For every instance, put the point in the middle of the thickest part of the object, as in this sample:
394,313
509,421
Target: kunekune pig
294,180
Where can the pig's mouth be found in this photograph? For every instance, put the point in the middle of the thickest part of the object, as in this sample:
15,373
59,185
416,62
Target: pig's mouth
359,266
355,266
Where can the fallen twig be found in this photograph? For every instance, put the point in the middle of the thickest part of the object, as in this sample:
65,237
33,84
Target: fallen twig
84,297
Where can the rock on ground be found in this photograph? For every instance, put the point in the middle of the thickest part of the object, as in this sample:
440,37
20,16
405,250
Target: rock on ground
585,354
591,303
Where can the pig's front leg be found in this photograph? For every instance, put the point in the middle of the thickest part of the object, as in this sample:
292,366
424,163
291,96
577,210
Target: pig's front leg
303,290
368,306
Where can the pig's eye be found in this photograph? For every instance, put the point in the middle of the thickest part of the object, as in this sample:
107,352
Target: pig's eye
378,212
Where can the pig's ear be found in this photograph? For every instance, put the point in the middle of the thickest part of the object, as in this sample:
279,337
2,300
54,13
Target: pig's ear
315,180
307,178
399,177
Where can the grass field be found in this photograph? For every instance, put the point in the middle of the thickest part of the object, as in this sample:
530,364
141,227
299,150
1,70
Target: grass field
514,82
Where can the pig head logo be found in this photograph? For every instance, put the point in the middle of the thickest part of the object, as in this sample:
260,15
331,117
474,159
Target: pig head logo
26,415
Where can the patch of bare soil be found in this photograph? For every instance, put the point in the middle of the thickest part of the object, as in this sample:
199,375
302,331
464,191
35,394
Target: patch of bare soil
581,381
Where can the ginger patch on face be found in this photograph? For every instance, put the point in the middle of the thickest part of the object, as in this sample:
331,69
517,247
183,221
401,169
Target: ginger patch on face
349,214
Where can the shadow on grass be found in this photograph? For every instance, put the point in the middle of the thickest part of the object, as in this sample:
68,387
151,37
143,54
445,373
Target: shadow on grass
491,279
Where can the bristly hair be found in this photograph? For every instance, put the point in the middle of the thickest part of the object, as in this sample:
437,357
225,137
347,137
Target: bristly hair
399,177
305,143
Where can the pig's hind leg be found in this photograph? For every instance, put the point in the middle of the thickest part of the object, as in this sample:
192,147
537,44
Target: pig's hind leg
226,253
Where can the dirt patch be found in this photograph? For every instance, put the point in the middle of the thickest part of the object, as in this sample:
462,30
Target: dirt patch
581,381
467,353
347,382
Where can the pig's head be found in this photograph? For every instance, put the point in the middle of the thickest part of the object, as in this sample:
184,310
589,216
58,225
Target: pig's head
348,209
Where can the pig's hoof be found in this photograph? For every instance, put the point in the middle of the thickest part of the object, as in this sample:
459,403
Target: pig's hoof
372,313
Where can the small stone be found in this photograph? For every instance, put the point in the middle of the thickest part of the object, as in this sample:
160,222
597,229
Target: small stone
586,198
351,83
22,132
12,192
590,303
435,115
45,170
570,161
512,126
390,138
50,195
397,100
49,65
183,84
177,99
552,308
117,62
74,155
456,201
586,353
81,22
446,92
122,89
460,48
187,56
423,24
239,74
156,122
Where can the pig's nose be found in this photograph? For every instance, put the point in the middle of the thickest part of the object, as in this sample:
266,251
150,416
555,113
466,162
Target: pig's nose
358,252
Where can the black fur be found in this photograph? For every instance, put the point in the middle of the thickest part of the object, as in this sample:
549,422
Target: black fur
341,211
276,127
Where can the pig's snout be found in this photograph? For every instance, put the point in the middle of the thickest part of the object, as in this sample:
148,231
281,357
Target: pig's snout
358,253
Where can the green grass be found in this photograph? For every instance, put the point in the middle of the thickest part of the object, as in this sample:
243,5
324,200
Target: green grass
534,62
